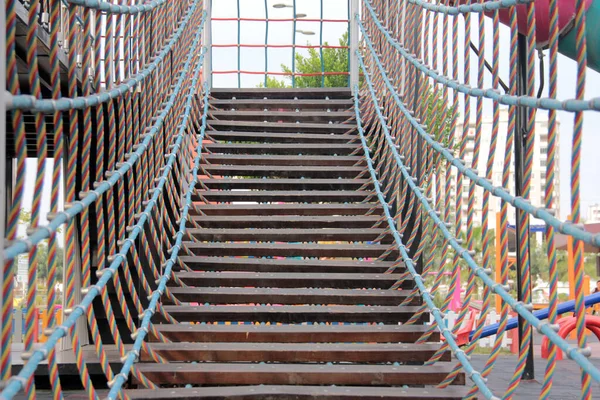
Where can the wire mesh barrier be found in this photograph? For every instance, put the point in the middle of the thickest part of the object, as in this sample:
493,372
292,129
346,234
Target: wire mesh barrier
416,59
108,95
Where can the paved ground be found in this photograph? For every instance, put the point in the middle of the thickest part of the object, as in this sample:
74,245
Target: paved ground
566,378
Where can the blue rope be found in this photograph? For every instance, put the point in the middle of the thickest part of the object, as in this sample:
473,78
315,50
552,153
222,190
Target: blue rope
239,48
266,42
294,47
321,48
493,94
522,309
439,319
469,8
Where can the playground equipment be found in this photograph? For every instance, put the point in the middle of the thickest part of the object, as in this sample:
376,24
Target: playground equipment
567,325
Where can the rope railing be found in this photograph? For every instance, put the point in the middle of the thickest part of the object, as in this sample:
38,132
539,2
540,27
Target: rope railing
439,179
125,151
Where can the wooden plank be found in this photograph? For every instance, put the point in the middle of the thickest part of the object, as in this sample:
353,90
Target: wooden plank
297,352
285,221
269,93
278,116
241,159
267,137
289,250
294,333
291,280
291,314
297,149
287,265
278,104
287,235
285,184
280,127
296,374
242,295
272,392
336,196
331,209
282,171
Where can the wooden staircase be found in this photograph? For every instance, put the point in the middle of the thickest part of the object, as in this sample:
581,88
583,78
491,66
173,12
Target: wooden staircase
287,298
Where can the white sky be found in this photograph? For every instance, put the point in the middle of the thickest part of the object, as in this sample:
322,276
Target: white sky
281,33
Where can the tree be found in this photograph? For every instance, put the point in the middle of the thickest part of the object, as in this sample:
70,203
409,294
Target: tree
42,248
334,60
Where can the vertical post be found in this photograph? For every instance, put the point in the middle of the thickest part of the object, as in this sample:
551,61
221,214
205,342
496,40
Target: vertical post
294,45
353,44
402,28
519,146
498,259
3,191
207,43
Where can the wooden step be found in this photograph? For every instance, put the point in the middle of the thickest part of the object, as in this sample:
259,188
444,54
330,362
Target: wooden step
331,209
287,265
336,196
277,116
296,352
273,392
282,127
286,221
291,280
279,104
290,250
286,94
297,149
303,160
242,295
296,374
287,235
282,171
291,314
286,184
294,333
265,137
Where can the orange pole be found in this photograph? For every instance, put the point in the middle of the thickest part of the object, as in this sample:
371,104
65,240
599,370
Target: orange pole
571,273
498,261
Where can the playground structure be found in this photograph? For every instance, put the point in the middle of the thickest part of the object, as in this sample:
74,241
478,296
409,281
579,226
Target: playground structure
284,243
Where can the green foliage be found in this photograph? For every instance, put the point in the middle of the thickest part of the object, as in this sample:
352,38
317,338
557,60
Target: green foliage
274,83
334,60
42,251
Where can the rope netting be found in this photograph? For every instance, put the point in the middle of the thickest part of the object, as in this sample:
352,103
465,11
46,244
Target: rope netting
301,26
423,139
124,133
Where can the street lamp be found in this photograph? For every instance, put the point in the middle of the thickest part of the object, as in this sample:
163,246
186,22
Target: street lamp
282,5
305,32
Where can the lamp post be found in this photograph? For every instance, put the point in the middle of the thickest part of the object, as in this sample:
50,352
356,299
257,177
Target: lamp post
296,16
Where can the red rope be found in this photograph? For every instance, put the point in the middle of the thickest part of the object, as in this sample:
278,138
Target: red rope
278,20
235,71
280,46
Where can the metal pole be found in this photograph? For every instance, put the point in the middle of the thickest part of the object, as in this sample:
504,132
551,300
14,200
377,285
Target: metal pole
353,44
207,43
519,144
2,145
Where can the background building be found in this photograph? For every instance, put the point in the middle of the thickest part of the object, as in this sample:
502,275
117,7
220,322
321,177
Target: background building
593,214
538,178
